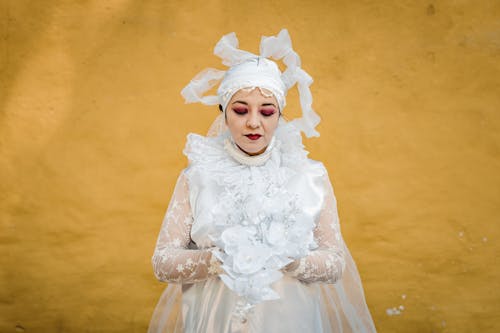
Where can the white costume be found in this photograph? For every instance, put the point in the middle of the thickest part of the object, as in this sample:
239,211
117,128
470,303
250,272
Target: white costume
255,215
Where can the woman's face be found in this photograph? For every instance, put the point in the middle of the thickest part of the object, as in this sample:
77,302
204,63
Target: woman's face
252,119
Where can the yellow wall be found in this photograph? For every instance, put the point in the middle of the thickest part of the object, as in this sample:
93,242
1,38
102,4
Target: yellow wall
92,127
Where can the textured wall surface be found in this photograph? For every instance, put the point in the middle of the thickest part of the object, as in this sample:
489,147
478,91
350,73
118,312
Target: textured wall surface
92,127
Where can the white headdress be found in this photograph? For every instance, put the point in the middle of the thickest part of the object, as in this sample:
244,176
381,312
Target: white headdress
247,70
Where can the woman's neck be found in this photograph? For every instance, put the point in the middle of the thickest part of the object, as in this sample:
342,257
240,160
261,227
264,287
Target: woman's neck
245,158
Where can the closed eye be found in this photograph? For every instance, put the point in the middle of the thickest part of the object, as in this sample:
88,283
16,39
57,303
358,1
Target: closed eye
267,112
240,111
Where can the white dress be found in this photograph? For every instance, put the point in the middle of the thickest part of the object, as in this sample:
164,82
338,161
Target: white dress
255,215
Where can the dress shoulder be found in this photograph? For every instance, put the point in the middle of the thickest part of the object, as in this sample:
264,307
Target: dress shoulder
317,166
202,149
314,168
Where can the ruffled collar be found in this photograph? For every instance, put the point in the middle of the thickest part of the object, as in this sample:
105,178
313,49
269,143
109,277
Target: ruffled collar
285,150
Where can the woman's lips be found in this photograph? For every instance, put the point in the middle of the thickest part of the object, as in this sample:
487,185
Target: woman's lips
253,136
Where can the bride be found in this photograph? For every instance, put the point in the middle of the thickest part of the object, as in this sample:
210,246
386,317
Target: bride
251,240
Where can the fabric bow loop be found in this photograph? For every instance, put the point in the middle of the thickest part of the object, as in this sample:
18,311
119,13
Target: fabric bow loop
280,47
227,50
200,84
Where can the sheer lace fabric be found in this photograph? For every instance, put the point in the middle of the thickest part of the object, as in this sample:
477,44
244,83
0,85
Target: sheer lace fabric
327,263
173,259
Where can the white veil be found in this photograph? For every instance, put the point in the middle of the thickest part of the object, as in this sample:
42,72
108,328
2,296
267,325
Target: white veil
218,126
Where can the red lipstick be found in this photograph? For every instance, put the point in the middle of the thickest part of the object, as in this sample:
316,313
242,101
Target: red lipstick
253,136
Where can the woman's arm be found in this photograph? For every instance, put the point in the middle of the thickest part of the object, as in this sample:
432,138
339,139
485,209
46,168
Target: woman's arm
172,260
326,263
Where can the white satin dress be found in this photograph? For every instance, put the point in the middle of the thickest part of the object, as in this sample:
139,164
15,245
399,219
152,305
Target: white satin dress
233,225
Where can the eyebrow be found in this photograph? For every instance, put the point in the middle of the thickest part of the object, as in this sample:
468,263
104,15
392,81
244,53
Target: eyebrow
245,103
242,102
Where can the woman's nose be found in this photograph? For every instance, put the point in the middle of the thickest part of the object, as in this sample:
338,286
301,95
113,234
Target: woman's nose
253,120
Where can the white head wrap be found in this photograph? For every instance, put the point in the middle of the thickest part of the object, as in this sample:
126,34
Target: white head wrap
248,70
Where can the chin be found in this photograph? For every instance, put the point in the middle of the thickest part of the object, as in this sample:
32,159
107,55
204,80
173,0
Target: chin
251,150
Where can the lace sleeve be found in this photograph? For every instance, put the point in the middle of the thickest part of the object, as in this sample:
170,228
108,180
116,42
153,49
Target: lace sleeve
326,263
172,260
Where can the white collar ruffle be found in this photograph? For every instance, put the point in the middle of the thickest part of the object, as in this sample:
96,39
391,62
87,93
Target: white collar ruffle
285,150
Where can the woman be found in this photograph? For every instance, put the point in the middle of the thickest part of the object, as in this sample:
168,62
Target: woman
251,239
